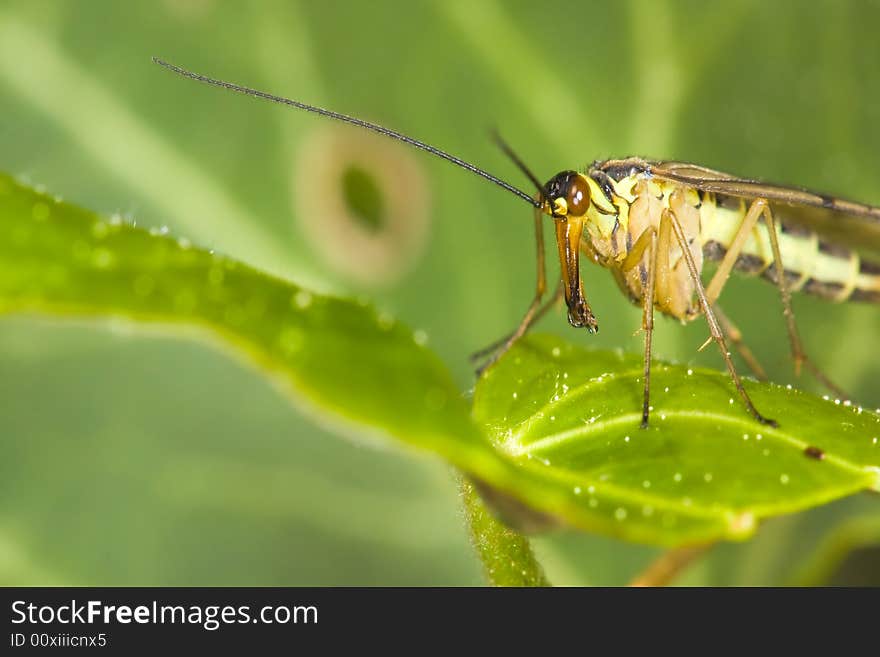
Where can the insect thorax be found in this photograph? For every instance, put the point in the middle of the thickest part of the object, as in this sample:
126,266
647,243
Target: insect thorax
635,204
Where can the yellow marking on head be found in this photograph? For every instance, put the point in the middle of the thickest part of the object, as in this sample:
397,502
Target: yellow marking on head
560,207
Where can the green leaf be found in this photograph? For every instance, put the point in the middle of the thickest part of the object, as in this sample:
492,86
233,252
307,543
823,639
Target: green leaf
346,360
356,365
562,421
703,470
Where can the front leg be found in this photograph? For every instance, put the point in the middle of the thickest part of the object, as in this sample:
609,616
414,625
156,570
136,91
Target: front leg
539,314
534,311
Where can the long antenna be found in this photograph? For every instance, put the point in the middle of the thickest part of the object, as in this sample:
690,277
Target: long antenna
509,152
353,121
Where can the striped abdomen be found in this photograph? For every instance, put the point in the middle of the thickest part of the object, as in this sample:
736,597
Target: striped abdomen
812,264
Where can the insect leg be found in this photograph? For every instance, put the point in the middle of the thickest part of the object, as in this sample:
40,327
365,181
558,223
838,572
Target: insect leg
713,290
637,252
711,320
532,313
735,336
722,275
543,310
648,324
647,241
797,350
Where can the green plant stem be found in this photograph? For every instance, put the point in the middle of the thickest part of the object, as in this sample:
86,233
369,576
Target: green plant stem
507,556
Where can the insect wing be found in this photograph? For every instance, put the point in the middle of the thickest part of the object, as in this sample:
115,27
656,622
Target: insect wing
851,224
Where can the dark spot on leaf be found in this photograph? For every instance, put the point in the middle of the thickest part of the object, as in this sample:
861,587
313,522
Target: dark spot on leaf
814,452
361,203
363,198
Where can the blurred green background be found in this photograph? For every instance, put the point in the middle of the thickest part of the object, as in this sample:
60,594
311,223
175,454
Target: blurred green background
130,459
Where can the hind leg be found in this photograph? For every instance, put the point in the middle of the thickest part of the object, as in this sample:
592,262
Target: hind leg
797,350
732,332
711,320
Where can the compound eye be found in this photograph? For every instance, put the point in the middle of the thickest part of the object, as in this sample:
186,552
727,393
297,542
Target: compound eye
578,199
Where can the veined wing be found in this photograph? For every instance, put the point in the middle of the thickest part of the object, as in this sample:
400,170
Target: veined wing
849,223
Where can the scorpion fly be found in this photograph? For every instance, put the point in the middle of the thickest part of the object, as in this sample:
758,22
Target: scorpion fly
654,224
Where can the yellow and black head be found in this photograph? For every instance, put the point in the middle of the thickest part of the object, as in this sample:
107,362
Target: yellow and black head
566,194
566,198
